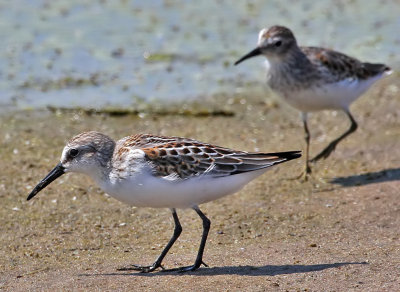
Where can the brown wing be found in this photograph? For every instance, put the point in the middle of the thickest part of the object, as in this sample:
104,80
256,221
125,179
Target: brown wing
342,65
184,158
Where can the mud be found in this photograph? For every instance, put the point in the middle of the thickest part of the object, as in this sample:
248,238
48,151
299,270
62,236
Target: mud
339,231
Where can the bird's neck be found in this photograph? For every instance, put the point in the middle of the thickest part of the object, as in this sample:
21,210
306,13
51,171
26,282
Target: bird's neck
294,58
286,71
101,171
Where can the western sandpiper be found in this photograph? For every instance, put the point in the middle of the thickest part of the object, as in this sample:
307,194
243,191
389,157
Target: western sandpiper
312,79
155,171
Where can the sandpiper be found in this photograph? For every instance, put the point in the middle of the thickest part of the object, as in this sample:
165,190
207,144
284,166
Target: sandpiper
312,78
155,171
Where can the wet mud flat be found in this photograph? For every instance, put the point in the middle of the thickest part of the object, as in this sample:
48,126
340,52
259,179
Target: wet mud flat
337,232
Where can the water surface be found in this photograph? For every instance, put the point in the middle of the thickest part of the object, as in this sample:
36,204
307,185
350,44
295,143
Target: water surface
123,53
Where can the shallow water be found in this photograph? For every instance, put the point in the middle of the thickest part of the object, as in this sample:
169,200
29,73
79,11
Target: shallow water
123,53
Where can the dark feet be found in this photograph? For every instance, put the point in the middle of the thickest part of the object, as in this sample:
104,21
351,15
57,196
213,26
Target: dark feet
177,232
186,269
142,269
153,267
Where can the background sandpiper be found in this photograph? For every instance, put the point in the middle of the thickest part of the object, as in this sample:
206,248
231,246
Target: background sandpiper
312,79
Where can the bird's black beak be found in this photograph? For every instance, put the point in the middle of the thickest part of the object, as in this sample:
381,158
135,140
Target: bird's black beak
253,53
57,171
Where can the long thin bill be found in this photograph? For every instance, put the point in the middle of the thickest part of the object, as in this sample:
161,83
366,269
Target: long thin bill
253,53
57,171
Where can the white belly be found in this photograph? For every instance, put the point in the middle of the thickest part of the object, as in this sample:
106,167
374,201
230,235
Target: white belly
330,96
149,191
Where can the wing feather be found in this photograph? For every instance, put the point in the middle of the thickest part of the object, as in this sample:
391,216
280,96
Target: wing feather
342,65
180,158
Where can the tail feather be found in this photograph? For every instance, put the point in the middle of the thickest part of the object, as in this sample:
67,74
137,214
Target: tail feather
376,69
289,155
256,161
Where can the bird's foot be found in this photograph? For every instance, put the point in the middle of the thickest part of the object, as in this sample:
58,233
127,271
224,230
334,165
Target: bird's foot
187,268
304,175
142,269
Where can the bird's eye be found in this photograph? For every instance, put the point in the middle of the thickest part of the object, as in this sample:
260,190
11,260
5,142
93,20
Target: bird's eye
73,152
278,43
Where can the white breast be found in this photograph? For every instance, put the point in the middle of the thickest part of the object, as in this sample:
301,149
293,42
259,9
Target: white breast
337,95
145,190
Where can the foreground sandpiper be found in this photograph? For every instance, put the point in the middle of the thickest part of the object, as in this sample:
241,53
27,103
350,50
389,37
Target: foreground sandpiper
155,171
312,79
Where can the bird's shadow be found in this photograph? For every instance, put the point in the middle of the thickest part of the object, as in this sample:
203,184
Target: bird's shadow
267,270
385,175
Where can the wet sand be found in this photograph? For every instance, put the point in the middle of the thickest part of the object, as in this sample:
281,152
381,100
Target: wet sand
337,232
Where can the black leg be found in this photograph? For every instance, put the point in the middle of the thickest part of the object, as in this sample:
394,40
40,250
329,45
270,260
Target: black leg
199,258
331,147
157,263
307,137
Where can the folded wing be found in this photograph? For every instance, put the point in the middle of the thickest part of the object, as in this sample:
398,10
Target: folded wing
184,158
344,66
